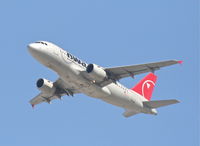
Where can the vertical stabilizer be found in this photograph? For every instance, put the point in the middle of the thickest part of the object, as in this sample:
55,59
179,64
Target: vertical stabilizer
146,85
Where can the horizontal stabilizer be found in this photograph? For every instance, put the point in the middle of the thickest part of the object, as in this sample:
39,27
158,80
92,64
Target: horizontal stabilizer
159,103
129,113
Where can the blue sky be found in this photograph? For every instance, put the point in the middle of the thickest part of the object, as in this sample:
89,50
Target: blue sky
108,33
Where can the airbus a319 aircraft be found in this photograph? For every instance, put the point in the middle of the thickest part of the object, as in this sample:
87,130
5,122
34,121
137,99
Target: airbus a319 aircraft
76,76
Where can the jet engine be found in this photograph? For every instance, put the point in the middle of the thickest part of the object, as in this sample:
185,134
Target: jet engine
96,72
46,86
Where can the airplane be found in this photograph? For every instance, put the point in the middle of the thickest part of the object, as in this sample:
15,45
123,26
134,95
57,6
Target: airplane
76,76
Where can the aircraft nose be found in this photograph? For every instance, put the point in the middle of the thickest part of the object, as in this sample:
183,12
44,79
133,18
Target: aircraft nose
38,52
34,48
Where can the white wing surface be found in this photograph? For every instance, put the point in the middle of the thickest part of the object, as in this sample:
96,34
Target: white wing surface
61,89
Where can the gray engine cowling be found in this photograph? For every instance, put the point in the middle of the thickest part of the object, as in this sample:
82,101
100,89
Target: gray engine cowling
46,86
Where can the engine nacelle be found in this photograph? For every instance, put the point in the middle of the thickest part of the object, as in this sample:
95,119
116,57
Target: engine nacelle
46,86
96,72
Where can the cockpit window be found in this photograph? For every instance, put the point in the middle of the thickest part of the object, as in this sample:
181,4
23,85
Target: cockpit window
42,43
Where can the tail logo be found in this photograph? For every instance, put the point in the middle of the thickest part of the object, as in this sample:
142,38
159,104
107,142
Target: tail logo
146,86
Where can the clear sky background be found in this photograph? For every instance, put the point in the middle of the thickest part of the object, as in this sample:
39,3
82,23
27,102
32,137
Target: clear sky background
108,33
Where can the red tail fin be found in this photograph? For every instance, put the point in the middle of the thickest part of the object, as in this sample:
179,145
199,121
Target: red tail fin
146,85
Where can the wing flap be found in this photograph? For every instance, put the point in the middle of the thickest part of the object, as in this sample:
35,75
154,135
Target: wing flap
159,103
59,83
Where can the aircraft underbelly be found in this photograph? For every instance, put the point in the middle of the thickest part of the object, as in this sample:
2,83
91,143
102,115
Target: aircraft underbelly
111,93
121,98
122,102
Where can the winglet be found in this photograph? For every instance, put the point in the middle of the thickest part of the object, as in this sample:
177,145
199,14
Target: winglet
180,62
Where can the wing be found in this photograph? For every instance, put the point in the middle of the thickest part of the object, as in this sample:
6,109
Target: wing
41,98
117,73
61,89
65,88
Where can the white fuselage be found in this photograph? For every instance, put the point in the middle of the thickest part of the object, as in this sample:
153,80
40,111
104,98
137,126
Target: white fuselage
69,68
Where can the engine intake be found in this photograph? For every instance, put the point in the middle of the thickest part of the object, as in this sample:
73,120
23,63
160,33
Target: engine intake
96,72
90,68
46,86
40,82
